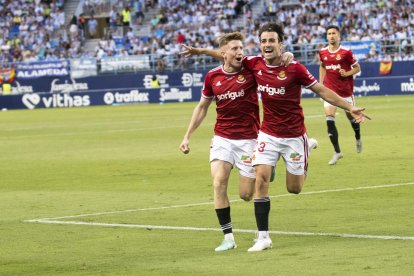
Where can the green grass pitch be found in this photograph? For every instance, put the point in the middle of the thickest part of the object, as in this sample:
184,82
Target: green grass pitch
84,165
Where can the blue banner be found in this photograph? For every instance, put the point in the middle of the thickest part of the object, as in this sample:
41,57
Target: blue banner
30,70
114,97
362,48
57,92
107,82
169,79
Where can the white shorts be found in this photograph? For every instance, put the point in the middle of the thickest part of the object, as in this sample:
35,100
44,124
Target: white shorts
236,152
294,151
350,100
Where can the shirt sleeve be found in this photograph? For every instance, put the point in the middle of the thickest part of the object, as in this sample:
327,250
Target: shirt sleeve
320,58
304,77
248,62
351,58
207,91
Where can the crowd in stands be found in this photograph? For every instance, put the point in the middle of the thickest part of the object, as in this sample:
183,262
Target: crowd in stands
175,22
200,23
30,29
391,22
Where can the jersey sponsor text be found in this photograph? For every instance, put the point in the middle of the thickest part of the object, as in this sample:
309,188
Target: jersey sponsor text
231,95
333,66
271,90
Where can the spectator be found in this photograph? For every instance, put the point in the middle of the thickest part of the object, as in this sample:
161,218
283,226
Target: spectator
180,38
73,25
82,23
113,18
138,6
161,64
126,19
92,27
130,34
155,82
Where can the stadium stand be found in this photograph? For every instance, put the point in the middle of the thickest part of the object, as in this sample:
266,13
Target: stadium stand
175,22
36,30
39,29
391,22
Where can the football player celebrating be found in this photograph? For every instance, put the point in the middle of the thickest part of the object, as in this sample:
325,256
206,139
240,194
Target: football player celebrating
235,132
283,132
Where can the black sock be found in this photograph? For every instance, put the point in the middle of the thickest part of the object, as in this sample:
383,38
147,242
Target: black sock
333,135
261,211
356,128
224,218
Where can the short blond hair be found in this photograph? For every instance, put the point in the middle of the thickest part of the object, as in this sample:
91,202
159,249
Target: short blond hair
226,38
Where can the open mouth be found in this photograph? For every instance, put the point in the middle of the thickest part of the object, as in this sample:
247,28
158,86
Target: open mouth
268,51
239,59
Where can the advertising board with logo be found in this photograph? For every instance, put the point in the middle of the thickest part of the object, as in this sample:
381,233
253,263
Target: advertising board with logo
66,91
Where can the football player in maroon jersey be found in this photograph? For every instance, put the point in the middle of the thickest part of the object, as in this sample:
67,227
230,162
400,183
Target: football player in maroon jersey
337,69
283,132
237,124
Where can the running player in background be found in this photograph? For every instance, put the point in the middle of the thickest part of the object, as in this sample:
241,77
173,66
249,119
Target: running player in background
337,69
236,129
283,132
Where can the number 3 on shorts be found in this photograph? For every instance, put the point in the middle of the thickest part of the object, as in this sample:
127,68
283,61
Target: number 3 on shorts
261,146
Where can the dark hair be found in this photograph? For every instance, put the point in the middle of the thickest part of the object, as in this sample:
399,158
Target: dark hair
273,27
333,27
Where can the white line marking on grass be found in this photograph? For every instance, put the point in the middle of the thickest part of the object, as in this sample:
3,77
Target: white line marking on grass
150,227
234,200
77,133
130,210
349,189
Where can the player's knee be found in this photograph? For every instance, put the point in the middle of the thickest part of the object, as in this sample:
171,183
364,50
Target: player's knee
219,185
246,196
294,189
262,179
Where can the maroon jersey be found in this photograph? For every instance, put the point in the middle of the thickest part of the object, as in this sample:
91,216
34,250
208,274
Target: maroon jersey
237,103
342,58
281,90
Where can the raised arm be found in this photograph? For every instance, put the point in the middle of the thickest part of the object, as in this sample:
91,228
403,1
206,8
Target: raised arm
199,113
192,51
332,98
189,51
